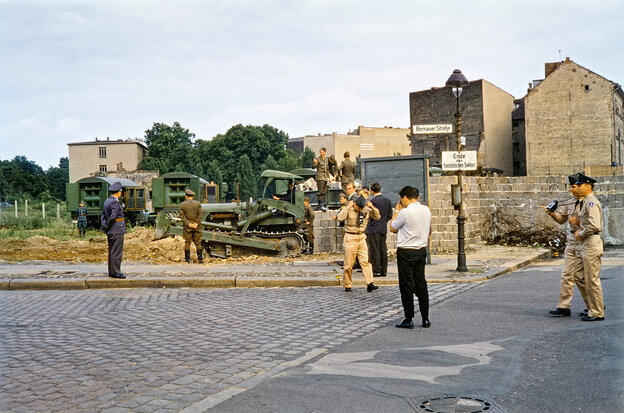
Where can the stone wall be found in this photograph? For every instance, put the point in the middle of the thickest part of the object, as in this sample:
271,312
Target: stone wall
496,206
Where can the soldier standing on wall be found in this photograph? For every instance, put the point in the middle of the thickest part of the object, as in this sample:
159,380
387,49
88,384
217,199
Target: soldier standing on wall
346,170
81,214
114,226
308,227
191,215
332,164
322,176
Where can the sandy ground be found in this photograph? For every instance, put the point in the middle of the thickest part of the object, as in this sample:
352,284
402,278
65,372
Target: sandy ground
138,246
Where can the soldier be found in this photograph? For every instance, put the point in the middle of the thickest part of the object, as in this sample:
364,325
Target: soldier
346,170
332,165
589,221
81,214
356,215
571,265
322,176
377,231
114,226
308,227
191,216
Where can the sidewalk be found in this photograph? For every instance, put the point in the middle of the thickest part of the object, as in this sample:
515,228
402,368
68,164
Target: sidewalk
483,262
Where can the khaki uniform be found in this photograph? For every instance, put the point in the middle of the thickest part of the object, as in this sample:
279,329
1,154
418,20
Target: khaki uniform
322,176
191,212
571,265
354,243
589,250
347,173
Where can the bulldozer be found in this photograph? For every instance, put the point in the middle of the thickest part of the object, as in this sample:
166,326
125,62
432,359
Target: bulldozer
265,226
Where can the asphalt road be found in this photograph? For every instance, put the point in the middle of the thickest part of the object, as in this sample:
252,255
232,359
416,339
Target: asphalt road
492,345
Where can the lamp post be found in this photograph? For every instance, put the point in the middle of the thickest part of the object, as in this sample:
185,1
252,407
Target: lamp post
457,81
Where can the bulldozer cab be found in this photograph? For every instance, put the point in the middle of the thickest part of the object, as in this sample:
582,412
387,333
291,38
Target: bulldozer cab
282,185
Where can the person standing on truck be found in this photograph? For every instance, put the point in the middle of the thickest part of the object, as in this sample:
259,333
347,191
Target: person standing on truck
81,216
191,216
114,226
322,176
346,170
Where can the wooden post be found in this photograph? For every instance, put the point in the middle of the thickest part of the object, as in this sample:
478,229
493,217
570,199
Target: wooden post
15,203
26,207
43,210
58,211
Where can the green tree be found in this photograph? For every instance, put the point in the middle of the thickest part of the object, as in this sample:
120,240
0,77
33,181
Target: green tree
213,172
22,178
57,178
307,157
246,178
170,148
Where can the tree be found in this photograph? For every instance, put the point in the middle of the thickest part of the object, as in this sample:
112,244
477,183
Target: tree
246,178
57,178
170,148
307,157
213,172
22,178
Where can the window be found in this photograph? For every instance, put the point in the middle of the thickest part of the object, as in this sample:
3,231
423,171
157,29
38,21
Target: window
102,168
102,152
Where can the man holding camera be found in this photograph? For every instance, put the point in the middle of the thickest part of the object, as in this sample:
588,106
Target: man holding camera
356,215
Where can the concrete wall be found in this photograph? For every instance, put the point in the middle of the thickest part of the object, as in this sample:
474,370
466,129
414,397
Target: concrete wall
84,158
492,205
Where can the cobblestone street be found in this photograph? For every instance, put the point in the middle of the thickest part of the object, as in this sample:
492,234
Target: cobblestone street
145,350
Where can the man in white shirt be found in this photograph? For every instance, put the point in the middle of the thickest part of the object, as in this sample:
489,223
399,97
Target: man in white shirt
412,221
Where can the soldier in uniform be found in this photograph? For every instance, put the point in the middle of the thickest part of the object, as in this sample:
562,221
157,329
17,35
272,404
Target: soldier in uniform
571,265
191,216
322,176
81,215
308,227
356,215
346,170
114,226
589,221
332,164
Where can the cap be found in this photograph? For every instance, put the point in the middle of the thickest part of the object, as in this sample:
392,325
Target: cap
584,179
360,201
573,178
189,192
116,187
81,203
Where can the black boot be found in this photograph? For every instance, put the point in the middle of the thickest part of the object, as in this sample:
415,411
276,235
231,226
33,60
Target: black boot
187,256
200,257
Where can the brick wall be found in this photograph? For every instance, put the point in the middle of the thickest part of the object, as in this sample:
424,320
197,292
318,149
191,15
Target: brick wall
485,198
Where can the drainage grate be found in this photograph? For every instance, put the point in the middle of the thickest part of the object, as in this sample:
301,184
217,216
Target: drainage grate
455,404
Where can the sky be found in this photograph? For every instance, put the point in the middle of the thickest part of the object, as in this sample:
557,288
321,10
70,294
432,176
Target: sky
76,70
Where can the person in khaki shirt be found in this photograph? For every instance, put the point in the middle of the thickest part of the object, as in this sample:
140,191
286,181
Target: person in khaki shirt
356,215
191,216
346,170
590,250
571,265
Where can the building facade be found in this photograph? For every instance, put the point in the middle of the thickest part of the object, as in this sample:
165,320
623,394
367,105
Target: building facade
486,124
573,121
368,142
102,156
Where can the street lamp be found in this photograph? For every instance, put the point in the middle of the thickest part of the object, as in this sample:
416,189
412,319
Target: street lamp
457,81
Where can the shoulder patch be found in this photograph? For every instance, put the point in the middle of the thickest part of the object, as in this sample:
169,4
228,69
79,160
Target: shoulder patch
591,205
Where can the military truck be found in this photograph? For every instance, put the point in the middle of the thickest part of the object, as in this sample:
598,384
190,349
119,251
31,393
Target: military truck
265,226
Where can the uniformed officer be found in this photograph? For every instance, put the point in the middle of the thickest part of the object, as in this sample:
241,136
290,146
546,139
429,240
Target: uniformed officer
346,170
571,265
308,227
589,221
191,215
81,216
322,176
113,224
356,215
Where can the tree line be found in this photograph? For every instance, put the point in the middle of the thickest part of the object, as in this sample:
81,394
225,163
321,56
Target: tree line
237,156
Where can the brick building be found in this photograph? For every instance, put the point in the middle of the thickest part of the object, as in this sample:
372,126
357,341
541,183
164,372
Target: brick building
101,156
573,121
486,123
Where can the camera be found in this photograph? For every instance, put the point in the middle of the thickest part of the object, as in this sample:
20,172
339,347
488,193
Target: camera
552,207
361,219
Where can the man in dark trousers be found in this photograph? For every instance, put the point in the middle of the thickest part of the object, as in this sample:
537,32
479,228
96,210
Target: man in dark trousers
308,227
81,216
114,226
376,232
412,221
191,216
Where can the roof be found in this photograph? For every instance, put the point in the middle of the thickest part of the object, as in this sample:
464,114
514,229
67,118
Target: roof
270,173
123,181
109,142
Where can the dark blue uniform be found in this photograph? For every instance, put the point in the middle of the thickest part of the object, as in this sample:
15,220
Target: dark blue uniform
115,227
376,234
81,216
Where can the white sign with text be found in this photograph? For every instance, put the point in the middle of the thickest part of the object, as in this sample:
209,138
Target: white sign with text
431,129
459,161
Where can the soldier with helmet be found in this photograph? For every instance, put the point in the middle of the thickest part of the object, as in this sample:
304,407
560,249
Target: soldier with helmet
191,216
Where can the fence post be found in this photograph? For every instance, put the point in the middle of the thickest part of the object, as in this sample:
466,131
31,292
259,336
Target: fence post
15,204
58,211
26,208
43,210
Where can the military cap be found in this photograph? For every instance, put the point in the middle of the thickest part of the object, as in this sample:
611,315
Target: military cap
116,187
584,179
573,178
81,203
360,201
189,192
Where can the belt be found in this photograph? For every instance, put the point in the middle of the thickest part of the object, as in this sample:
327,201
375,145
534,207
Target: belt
119,219
354,233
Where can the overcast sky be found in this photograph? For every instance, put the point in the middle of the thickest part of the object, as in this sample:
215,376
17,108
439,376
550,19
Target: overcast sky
71,71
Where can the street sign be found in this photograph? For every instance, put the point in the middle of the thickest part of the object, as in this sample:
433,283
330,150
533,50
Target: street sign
459,161
431,129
